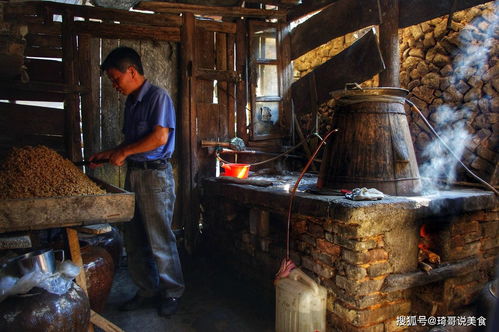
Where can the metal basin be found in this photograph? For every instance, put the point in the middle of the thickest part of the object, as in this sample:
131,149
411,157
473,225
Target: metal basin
39,260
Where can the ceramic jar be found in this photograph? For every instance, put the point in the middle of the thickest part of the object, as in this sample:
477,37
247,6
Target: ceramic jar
111,241
44,311
99,271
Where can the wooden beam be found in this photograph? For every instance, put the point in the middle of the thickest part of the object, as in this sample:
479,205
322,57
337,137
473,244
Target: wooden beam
52,41
44,70
10,93
396,282
88,52
103,323
71,102
44,52
359,62
226,27
307,7
18,120
286,67
241,87
31,9
389,43
187,105
128,31
178,8
219,75
231,86
340,18
74,249
53,28
41,87
417,11
279,3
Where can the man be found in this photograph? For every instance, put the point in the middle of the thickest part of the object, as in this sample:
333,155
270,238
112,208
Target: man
149,130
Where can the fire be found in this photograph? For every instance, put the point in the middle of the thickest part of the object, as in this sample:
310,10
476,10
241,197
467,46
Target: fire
425,254
422,231
425,238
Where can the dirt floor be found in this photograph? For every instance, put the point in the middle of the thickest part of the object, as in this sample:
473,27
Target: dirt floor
213,301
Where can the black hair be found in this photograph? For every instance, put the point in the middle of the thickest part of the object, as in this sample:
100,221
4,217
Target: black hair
121,58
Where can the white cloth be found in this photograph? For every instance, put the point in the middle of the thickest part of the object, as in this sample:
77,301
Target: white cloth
364,194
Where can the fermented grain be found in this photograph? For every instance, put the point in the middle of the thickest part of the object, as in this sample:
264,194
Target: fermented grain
41,172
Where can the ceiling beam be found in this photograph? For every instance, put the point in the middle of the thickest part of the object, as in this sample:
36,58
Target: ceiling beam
338,19
417,11
359,62
177,8
307,7
345,16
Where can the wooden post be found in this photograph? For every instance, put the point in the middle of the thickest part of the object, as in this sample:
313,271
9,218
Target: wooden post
241,88
89,64
71,101
231,102
389,43
81,280
187,126
286,75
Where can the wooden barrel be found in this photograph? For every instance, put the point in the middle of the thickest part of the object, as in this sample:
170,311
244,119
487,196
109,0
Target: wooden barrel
373,147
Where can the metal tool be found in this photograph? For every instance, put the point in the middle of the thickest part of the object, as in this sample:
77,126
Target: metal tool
88,162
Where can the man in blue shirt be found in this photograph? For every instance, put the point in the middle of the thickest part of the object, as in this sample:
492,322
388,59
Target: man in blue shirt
149,130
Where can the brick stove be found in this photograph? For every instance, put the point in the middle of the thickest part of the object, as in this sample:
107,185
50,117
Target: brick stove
364,253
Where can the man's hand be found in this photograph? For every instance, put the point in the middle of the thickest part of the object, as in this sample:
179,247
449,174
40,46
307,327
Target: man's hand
115,156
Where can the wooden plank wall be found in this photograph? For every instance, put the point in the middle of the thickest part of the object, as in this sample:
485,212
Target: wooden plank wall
40,125
215,104
101,106
22,125
160,67
67,81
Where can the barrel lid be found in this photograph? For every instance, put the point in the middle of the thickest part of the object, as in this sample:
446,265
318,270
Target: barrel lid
355,90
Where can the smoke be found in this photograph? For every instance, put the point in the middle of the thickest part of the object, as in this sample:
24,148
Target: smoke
441,164
453,120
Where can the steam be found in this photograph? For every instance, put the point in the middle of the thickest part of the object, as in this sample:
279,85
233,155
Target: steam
441,164
451,121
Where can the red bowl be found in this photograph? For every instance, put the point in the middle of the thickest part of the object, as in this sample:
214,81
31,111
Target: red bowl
239,171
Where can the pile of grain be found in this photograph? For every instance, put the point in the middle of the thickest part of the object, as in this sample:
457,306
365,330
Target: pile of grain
41,172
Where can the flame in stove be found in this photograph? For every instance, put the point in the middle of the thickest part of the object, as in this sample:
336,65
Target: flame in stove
424,247
422,231
425,238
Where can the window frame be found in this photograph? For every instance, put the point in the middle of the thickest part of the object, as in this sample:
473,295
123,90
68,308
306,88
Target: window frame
254,63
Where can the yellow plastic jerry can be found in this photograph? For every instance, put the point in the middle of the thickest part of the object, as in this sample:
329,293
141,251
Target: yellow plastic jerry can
300,304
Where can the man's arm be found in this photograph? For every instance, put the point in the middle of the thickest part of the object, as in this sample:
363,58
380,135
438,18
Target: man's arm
118,155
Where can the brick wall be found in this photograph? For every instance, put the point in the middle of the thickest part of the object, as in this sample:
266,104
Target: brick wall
352,253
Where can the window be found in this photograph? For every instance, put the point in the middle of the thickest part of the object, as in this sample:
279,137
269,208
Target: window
266,93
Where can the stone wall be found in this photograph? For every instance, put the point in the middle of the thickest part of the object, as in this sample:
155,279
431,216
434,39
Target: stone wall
442,63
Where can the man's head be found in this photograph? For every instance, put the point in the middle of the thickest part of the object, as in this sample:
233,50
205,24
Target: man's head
124,68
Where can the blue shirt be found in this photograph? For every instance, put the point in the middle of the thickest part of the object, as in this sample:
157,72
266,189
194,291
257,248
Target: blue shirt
152,107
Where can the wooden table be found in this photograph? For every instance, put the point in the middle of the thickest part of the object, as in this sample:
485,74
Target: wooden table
70,212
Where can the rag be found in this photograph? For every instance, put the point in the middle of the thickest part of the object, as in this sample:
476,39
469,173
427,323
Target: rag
286,267
364,194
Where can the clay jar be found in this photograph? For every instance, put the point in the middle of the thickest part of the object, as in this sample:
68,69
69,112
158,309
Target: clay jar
111,241
99,271
44,311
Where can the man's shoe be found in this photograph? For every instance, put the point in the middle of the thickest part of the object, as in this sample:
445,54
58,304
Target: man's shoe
168,306
137,302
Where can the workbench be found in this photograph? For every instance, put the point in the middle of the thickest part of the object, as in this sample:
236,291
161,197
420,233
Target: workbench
70,212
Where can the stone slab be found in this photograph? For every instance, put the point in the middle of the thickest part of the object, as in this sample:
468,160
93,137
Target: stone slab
400,209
